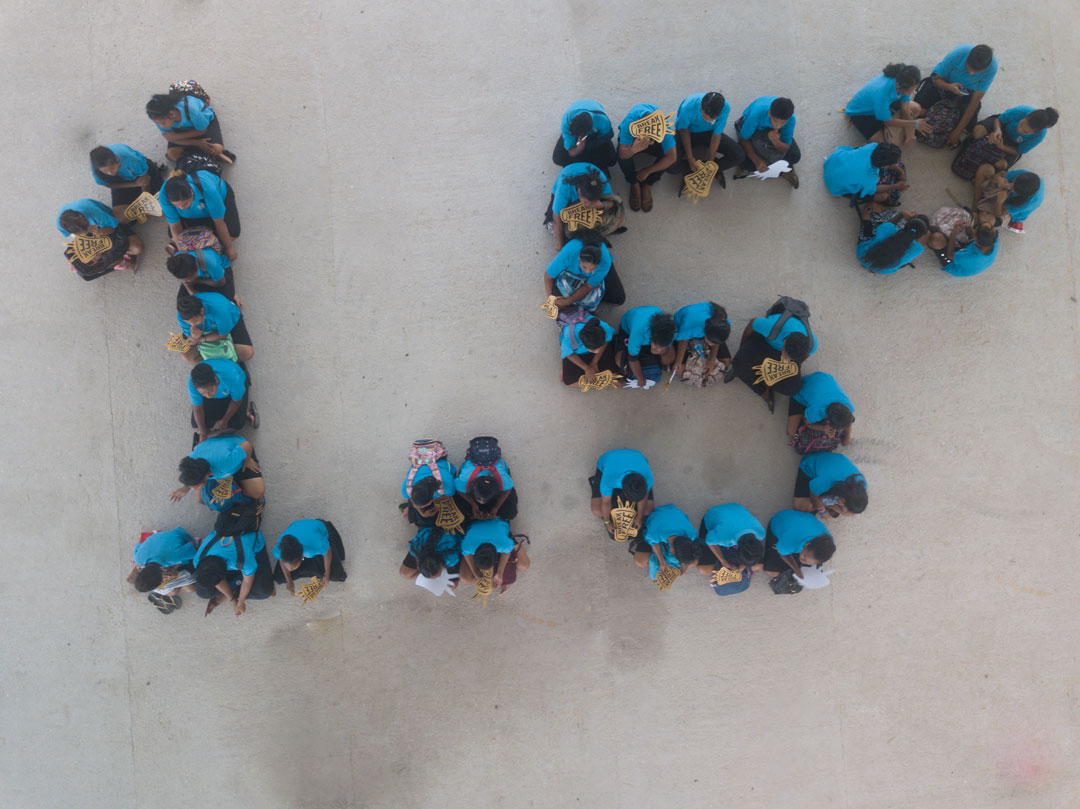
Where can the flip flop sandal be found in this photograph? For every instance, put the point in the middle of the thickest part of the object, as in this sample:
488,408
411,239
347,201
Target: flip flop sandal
253,414
159,603
172,601
228,154
171,248
720,180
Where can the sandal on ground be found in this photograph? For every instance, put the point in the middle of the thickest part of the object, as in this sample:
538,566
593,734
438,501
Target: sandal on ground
230,155
159,603
171,248
792,178
253,415
720,179
635,197
172,601
646,198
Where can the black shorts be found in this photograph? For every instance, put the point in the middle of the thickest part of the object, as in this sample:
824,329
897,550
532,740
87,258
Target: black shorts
774,562
410,562
795,408
243,473
868,125
215,409
240,334
802,484
638,545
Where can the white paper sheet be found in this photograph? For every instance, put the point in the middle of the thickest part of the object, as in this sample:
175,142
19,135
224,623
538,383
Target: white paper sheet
437,586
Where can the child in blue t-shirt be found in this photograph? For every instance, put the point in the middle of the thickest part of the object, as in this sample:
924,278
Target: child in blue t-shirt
642,179
699,122
309,548
126,172
189,125
585,136
766,134
209,317
201,199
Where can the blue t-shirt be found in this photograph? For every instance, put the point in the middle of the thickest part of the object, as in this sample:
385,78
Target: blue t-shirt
194,114
565,346
1009,120
132,165
637,112
635,323
220,315
207,202
481,532
601,124
818,391
971,261
232,382
312,535
875,98
884,231
764,325
793,529
826,469
226,548
447,473
215,263
848,171
756,117
98,214
461,483
690,321
167,548
1022,210
566,194
616,464
690,117
661,524
568,260
953,69
223,453
448,546
725,524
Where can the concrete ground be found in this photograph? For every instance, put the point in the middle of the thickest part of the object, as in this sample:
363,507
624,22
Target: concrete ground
392,176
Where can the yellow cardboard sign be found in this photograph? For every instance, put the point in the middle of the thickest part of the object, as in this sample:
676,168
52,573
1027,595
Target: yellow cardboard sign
604,379
654,126
449,517
483,586
223,491
698,183
726,575
309,591
772,371
549,307
177,342
580,215
146,204
622,517
666,577
87,248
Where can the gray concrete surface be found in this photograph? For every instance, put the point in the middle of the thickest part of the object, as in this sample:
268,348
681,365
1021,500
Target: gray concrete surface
393,170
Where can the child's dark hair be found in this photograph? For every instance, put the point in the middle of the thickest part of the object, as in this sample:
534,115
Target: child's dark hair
592,334
839,416
291,549
986,235
581,124
751,550
101,156
193,471
177,188
74,222
854,493
1024,187
684,549
161,104
188,306
662,329
182,265
717,327
823,547
634,486
203,375
210,571
590,185
428,560
713,104
891,250
423,491
149,578
485,556
782,108
484,489
591,254
905,75
979,57
797,347
886,154
1042,119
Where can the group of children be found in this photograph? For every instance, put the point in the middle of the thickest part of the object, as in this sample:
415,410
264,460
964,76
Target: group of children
462,519
231,563
898,108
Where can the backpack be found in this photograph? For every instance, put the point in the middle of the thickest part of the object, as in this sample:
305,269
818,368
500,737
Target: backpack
485,453
425,452
190,87
241,518
790,307
192,162
785,584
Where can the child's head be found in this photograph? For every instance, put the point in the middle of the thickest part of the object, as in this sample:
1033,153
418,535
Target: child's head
885,154
661,331
839,416
182,266
485,489
149,578
485,556
717,327
104,161
423,492
194,471
818,550
683,548
581,125
634,486
292,552
797,347
751,550
210,571
592,334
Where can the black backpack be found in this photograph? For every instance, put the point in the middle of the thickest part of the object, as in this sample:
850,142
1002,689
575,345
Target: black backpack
484,451
790,307
241,518
785,584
